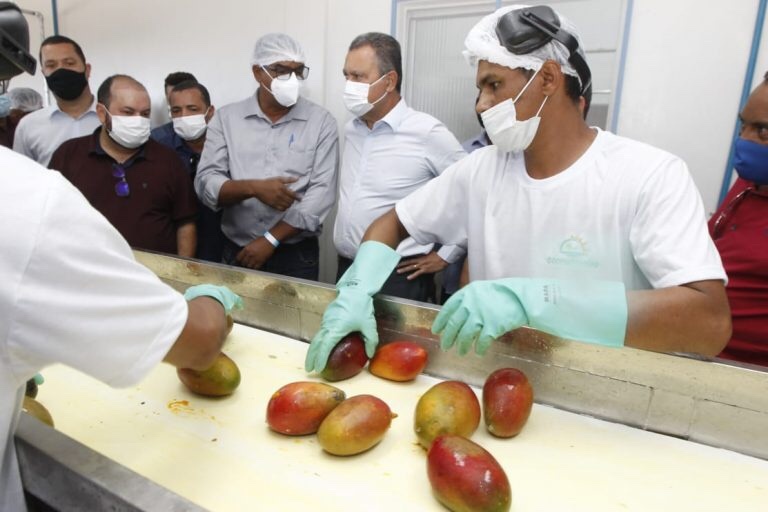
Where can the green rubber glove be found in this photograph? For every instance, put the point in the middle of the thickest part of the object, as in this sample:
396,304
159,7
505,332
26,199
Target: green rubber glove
352,310
590,311
224,295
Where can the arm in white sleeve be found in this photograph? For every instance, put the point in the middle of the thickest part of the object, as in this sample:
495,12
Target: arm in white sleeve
451,253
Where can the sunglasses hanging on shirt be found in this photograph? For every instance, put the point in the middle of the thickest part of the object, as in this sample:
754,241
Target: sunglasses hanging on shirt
121,187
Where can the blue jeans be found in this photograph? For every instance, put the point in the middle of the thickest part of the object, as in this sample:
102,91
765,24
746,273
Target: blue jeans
301,259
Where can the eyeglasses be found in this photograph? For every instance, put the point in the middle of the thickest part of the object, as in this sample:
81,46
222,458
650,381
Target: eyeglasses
121,187
727,212
278,72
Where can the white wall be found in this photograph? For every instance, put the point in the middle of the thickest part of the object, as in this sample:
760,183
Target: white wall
685,69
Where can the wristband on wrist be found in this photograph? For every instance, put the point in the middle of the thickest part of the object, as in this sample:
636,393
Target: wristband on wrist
271,239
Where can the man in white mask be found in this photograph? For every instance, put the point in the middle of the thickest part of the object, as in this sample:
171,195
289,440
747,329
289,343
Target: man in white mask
390,151
138,184
570,230
270,162
191,110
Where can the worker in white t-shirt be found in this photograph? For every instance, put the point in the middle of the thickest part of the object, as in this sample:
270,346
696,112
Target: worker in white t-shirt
569,229
72,293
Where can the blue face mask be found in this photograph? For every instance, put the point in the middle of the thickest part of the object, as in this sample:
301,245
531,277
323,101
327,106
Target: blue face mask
751,161
5,105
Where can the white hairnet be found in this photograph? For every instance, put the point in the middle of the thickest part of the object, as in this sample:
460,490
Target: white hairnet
482,43
276,47
25,99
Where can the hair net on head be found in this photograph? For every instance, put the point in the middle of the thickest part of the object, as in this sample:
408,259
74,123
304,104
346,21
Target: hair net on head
25,99
482,43
273,48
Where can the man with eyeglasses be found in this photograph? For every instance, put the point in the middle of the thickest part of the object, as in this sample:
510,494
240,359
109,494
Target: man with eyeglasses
390,151
570,230
739,228
138,184
270,162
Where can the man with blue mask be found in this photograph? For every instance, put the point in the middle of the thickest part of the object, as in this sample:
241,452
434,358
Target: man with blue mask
570,230
270,163
740,230
390,150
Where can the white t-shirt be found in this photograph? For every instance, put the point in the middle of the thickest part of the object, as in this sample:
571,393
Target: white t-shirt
624,211
70,292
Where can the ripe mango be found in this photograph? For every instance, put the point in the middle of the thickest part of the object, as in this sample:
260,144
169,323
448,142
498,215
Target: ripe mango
346,360
221,379
355,426
230,324
450,407
298,408
465,477
36,409
507,402
399,361
31,389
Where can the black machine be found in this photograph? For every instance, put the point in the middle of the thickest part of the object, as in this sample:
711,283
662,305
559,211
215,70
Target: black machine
14,43
524,30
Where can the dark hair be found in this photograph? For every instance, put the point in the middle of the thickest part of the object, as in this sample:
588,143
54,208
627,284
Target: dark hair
387,51
572,89
104,94
177,77
194,84
50,40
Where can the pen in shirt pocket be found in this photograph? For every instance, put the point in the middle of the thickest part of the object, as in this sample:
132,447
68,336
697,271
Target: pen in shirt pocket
290,141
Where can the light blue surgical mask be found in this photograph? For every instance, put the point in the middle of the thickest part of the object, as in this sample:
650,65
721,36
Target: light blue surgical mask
5,105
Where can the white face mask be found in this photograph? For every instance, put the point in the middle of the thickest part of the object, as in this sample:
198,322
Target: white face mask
190,127
129,131
286,92
504,129
356,97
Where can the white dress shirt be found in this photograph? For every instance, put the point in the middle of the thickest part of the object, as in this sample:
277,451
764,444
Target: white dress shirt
403,151
41,133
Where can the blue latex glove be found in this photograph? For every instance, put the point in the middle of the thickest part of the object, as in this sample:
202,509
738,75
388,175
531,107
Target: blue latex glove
352,310
590,311
224,295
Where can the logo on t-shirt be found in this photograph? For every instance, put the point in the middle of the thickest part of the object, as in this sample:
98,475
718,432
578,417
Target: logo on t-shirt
573,251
